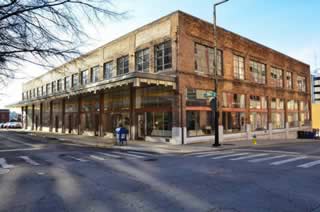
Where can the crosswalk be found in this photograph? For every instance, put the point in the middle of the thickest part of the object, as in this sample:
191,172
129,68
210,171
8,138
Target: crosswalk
82,157
270,158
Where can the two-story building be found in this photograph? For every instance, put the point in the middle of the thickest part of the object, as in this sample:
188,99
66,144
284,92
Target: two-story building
153,81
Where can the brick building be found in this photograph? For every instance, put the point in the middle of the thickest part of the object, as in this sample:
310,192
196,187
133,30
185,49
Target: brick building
4,115
153,81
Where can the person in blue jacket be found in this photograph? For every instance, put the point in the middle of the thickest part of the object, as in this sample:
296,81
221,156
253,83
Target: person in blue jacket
121,134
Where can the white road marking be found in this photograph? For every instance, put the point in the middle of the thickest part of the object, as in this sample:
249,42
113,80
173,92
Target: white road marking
5,165
268,158
214,153
20,149
29,160
198,153
229,156
131,155
110,155
288,160
141,153
250,156
78,159
310,164
97,157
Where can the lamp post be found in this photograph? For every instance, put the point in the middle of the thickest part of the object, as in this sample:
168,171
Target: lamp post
215,101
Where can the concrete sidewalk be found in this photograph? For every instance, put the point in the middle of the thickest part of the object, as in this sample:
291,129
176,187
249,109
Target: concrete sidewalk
158,146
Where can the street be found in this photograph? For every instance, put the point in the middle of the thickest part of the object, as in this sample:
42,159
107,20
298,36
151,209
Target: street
38,174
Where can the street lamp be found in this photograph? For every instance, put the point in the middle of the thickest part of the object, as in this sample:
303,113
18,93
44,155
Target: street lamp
215,101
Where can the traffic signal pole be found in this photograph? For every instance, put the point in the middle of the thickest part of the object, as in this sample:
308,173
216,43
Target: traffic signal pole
215,102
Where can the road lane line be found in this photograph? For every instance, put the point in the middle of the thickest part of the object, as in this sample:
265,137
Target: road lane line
229,156
78,159
131,155
268,158
141,153
288,160
250,156
5,165
97,157
110,155
214,153
310,164
29,160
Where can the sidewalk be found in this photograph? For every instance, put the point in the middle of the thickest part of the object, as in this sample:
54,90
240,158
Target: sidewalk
158,146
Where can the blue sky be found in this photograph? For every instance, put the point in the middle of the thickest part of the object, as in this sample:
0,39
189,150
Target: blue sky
289,26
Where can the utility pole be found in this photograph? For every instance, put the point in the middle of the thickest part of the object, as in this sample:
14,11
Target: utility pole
214,101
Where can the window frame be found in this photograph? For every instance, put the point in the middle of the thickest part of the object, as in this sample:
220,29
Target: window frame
161,52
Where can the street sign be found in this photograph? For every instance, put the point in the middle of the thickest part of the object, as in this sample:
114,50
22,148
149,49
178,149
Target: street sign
210,94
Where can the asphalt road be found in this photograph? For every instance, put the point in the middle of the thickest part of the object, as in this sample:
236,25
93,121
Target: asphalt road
38,174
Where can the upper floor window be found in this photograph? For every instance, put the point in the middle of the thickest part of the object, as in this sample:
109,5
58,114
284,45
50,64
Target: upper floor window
163,56
107,70
84,77
292,105
142,60
277,77
48,89
54,87
204,60
75,80
301,82
258,72
123,65
289,80
238,67
33,92
38,91
95,74
60,85
43,91
67,83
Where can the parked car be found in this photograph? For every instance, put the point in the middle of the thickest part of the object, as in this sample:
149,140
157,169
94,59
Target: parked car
6,125
1,125
15,125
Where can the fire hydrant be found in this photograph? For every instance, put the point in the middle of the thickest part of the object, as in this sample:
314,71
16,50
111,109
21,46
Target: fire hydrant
254,139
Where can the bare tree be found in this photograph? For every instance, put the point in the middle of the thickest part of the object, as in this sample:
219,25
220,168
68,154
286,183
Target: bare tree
36,31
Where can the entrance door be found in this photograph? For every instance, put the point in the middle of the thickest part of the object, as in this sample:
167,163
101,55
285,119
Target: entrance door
141,126
37,124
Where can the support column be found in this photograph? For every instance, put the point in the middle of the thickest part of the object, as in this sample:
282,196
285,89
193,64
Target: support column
269,116
132,113
247,115
22,117
101,111
41,116
32,118
51,118
79,114
63,128
26,118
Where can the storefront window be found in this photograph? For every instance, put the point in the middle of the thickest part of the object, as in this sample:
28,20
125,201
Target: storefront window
277,120
259,121
159,124
293,118
304,113
117,100
199,123
233,122
277,114
156,96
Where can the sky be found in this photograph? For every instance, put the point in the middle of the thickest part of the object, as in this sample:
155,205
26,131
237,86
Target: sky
289,26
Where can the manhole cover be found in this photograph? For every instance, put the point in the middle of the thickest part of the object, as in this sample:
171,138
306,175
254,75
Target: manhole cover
4,171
